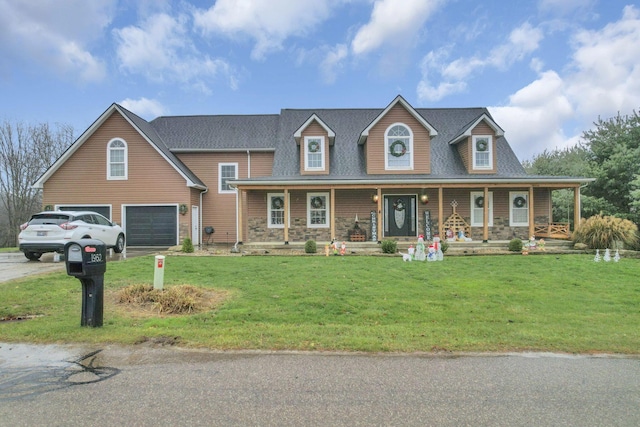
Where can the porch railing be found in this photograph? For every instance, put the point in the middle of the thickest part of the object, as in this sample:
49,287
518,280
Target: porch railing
555,230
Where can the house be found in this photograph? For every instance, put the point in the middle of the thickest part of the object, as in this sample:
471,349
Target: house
303,174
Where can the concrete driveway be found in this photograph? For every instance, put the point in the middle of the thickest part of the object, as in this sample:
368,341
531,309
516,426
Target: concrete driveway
15,265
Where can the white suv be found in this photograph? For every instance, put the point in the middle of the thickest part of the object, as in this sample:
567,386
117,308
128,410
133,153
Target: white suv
49,231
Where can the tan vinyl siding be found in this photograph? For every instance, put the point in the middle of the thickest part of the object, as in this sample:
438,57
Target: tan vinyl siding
464,149
314,129
82,179
375,145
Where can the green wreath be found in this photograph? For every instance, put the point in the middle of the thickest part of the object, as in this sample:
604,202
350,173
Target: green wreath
481,145
314,146
402,151
316,203
519,202
399,205
277,203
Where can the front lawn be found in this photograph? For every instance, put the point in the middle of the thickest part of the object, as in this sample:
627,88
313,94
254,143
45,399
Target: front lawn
559,303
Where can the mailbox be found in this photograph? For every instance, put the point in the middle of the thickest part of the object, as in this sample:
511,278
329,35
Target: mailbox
86,259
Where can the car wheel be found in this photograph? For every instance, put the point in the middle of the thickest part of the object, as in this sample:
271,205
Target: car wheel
119,247
33,256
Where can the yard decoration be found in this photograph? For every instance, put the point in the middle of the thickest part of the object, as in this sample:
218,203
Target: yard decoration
541,245
597,258
532,243
607,255
616,257
432,253
438,247
412,251
420,254
326,250
343,249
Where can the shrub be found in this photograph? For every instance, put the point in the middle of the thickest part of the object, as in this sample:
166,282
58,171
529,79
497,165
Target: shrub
389,246
515,245
187,245
444,245
601,232
310,247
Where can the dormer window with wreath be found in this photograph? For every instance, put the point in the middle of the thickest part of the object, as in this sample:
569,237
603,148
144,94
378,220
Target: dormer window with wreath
314,147
482,152
398,147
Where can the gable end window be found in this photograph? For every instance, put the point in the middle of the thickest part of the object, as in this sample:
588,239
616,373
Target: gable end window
318,210
117,166
477,208
482,152
398,148
518,209
314,153
226,172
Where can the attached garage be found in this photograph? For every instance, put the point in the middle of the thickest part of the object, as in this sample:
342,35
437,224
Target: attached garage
151,225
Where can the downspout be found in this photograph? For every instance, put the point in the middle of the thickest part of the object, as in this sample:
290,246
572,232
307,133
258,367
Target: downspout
200,216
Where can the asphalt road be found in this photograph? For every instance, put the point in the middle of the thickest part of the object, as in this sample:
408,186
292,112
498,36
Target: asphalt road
143,386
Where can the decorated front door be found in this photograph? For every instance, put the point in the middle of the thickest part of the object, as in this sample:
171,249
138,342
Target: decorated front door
400,219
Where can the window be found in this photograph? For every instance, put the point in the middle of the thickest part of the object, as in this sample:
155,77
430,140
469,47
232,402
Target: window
318,210
398,152
482,156
226,172
117,159
477,209
519,211
275,210
314,153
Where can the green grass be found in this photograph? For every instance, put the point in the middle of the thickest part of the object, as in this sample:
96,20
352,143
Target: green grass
553,303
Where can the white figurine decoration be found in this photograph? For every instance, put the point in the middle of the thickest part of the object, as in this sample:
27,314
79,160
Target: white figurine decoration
597,257
438,247
607,255
420,254
616,257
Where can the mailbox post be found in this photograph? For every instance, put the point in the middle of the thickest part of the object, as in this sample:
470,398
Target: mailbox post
86,259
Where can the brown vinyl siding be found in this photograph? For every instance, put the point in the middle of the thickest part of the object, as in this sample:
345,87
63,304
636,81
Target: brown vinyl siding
375,145
82,179
314,129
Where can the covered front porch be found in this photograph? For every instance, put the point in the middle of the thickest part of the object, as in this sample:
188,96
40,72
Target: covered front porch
372,212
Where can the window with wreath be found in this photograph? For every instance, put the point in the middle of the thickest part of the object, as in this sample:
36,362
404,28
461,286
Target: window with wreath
275,210
519,209
482,154
226,172
314,153
317,210
117,159
398,147
477,208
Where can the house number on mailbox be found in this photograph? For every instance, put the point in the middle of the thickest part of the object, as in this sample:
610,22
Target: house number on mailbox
96,257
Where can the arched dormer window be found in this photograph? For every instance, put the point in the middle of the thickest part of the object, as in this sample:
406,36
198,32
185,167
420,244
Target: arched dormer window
398,153
117,159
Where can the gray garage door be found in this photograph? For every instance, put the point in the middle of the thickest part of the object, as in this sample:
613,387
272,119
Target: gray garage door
151,225
102,210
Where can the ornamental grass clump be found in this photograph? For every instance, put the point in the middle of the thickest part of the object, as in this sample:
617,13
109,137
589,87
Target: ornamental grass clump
601,232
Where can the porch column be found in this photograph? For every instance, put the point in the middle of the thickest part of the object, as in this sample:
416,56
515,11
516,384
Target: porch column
332,202
485,219
240,204
576,207
286,216
532,214
379,208
440,213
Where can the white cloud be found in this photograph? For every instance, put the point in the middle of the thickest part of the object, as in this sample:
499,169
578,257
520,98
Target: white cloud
393,22
605,68
333,62
143,107
534,117
268,22
56,34
452,76
160,49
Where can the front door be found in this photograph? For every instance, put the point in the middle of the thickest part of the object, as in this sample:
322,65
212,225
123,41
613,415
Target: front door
400,217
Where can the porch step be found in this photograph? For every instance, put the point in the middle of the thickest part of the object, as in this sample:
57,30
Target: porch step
371,248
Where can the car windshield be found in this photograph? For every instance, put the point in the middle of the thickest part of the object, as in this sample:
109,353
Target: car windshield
56,219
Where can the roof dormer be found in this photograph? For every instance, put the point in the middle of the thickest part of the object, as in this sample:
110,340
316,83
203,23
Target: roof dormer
314,138
476,144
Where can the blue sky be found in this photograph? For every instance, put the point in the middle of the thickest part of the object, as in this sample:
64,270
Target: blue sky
546,69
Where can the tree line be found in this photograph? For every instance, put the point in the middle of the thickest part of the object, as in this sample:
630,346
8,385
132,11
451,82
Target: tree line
26,151
610,153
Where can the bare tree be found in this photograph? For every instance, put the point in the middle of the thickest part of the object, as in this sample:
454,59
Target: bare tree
26,151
